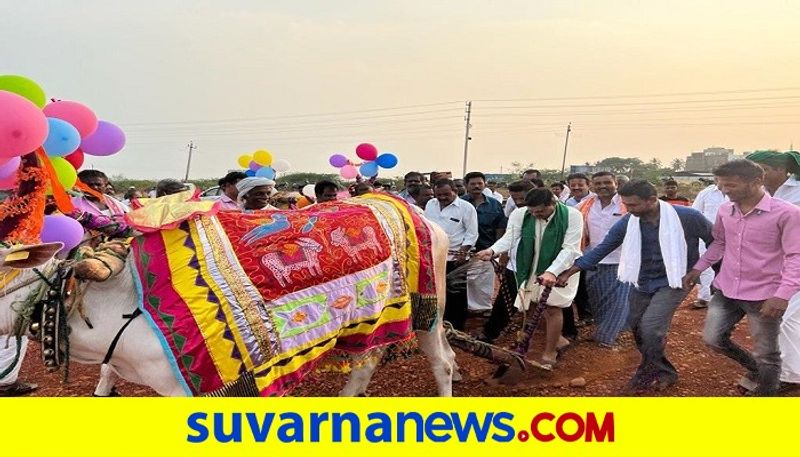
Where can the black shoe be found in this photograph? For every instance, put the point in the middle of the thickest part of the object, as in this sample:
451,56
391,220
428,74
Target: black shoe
17,389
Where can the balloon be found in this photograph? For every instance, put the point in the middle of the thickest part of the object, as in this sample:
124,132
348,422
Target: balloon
281,165
9,182
108,139
369,169
308,190
263,157
62,138
387,160
23,126
338,160
76,158
253,165
266,172
64,229
81,117
23,87
9,167
65,172
244,160
367,151
348,172
250,173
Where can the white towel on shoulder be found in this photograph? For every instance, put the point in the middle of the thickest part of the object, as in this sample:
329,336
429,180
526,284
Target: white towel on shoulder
670,238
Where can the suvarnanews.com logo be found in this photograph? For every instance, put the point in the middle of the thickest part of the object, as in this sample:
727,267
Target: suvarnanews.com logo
380,427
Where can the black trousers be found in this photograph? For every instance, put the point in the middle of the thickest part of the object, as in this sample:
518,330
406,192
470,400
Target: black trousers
455,310
503,307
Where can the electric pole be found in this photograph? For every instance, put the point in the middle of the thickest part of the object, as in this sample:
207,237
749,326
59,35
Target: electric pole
564,159
189,162
466,136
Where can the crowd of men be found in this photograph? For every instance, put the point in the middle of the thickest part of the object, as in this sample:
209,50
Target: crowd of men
614,255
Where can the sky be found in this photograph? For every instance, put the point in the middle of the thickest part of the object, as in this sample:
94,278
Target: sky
308,79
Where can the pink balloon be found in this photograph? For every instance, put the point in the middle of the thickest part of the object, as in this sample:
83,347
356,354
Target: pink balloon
23,126
64,229
79,115
9,167
367,151
348,172
108,139
9,182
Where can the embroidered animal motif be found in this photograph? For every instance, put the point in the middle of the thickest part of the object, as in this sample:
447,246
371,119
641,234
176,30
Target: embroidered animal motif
278,223
369,240
309,225
281,264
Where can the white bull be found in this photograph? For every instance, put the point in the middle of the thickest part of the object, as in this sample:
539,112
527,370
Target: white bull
139,357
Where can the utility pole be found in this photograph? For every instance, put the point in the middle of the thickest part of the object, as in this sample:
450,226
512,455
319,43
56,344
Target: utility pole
466,136
189,162
564,159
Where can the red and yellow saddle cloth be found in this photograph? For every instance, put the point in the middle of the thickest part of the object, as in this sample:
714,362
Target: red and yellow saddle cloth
249,303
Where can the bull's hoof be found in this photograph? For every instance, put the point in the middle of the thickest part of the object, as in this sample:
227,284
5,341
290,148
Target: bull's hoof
113,393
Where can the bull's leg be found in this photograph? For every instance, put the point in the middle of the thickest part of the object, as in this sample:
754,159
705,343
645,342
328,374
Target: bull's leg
441,358
108,378
361,375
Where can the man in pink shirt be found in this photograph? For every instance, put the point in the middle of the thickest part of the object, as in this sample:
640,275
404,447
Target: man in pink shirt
227,201
757,237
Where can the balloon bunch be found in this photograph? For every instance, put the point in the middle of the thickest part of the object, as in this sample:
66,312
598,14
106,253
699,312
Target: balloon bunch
369,168
65,130
262,165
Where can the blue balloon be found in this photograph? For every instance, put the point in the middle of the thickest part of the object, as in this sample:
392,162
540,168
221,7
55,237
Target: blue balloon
266,172
387,160
249,173
369,169
62,139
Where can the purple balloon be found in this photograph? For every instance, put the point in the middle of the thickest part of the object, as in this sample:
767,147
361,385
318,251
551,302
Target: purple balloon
255,166
64,229
338,160
108,139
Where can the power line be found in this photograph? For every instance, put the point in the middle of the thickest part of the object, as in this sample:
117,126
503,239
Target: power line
662,94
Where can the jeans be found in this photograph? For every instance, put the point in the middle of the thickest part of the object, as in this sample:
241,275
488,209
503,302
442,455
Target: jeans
764,364
650,317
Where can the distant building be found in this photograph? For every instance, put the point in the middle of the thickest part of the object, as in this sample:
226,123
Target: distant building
691,177
588,170
709,159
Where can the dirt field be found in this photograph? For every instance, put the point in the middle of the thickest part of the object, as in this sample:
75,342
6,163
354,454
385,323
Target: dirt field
605,371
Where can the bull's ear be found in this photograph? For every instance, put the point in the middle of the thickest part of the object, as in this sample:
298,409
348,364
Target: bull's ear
29,256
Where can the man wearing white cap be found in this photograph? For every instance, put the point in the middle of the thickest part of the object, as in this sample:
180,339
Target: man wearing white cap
254,193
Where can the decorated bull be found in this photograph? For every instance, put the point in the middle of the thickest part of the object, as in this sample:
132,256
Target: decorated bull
203,306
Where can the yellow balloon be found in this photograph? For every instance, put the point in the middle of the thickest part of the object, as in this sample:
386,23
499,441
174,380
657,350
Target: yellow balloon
244,160
263,157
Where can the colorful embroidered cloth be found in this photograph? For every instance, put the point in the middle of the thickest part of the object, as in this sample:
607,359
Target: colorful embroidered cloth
265,297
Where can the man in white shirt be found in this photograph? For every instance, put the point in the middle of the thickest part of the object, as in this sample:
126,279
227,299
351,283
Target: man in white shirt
459,219
578,187
492,186
707,202
607,296
410,180
549,234
528,175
